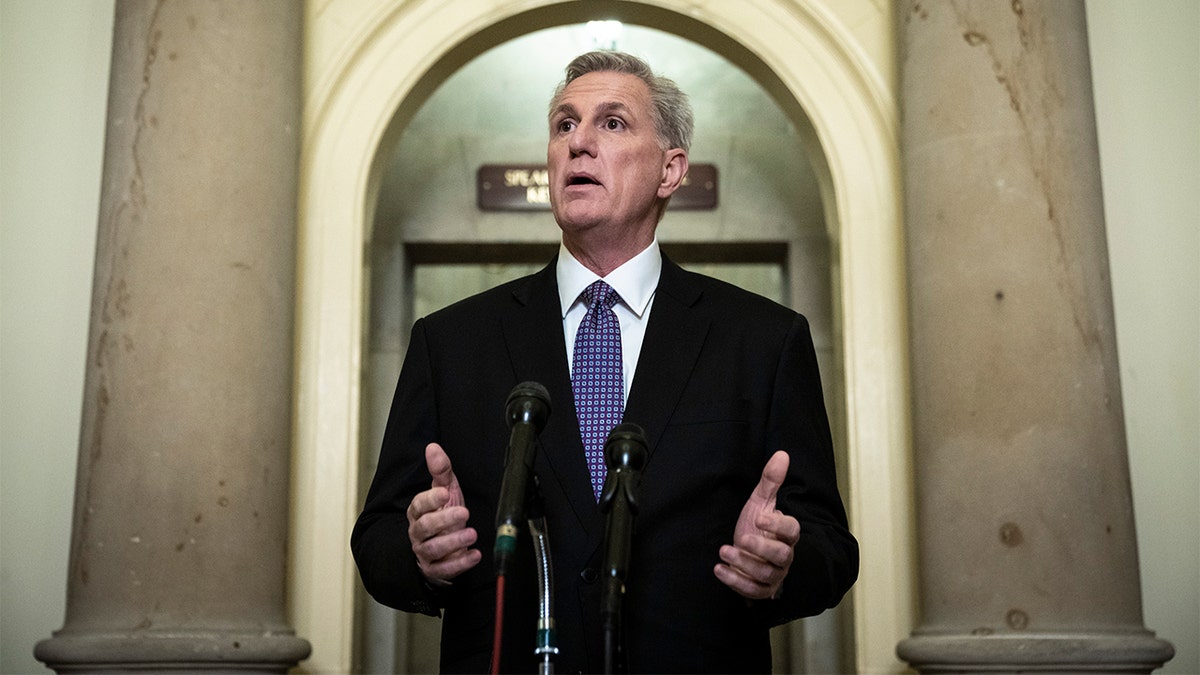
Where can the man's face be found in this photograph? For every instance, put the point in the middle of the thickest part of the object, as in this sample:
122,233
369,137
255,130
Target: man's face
607,168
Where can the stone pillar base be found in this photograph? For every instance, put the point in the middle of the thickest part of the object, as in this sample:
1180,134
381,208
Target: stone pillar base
173,651
1135,652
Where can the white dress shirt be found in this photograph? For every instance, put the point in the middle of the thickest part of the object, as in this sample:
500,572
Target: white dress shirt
635,281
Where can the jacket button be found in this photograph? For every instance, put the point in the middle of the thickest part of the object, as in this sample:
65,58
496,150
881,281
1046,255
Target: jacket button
589,575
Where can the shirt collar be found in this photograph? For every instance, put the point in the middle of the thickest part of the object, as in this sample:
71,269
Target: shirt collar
635,280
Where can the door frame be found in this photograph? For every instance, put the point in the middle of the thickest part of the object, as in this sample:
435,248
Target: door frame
369,65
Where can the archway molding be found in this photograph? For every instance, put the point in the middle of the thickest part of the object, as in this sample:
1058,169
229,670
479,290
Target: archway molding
371,66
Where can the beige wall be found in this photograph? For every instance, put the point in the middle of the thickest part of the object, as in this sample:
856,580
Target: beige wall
1145,59
54,57
54,60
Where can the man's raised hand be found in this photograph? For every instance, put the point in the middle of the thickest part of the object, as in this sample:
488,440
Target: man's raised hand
437,523
757,562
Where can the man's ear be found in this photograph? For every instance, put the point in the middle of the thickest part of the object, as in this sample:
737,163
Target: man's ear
675,168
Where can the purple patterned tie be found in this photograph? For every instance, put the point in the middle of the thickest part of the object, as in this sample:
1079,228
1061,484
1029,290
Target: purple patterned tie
597,379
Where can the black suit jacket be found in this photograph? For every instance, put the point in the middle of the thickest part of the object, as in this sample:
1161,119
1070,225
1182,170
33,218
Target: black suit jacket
725,378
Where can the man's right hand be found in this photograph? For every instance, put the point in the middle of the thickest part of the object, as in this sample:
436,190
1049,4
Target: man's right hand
437,523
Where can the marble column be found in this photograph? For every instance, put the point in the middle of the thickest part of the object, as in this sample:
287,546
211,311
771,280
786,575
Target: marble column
178,547
1028,556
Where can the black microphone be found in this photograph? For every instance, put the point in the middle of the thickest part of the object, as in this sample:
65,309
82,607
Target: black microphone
527,408
625,455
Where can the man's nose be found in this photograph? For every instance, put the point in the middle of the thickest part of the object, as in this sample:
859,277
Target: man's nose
582,141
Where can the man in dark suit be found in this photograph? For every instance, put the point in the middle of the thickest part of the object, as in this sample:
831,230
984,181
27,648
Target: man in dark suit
740,525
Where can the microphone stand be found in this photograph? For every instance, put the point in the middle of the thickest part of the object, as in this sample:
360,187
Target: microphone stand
526,409
625,452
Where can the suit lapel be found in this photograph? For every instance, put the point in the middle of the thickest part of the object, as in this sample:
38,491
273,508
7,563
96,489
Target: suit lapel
670,349
533,334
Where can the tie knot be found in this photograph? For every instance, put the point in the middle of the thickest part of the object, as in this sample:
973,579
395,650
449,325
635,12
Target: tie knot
600,295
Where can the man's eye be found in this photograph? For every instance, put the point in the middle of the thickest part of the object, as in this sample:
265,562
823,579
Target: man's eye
566,125
613,124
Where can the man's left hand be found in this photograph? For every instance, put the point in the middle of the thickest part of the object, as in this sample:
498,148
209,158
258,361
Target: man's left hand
758,561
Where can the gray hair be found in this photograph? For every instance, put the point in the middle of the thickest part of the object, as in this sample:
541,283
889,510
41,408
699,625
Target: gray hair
672,112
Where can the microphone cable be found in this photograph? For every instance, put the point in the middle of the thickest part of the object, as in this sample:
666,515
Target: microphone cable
498,635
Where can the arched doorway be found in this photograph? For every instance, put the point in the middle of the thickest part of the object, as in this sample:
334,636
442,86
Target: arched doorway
433,243
365,97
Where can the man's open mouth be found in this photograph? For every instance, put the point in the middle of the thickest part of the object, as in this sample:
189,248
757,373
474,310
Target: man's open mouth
582,179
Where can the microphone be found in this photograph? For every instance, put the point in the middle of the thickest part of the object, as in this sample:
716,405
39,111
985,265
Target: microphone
625,455
527,408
